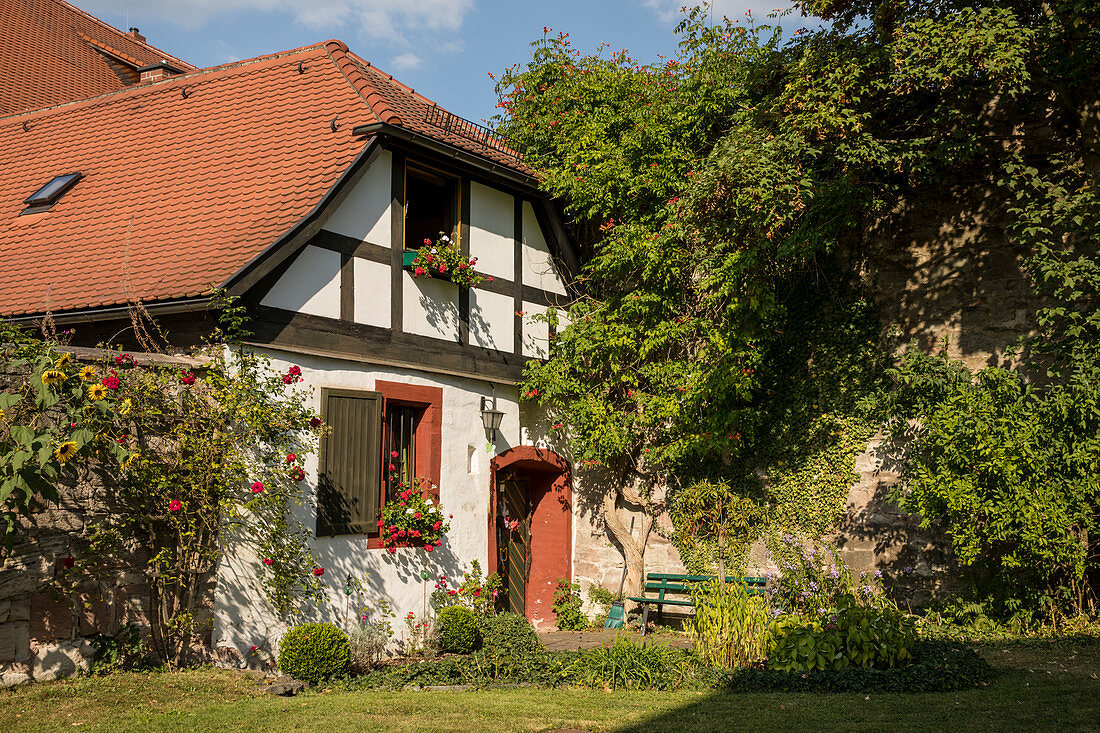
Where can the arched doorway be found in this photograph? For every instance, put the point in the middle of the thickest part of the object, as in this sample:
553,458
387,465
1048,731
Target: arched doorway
530,528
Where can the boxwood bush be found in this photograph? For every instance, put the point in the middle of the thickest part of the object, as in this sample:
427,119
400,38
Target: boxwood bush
509,635
314,652
457,630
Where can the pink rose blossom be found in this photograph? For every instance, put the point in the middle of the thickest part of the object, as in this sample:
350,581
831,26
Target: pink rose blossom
174,505
257,487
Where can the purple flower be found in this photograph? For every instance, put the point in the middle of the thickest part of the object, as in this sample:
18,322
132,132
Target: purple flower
878,573
908,570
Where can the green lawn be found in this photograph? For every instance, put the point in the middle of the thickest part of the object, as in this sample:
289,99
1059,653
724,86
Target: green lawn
1041,685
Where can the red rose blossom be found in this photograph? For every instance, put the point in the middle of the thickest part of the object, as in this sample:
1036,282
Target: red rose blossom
187,378
257,487
318,572
174,505
68,562
290,458
112,382
268,561
315,422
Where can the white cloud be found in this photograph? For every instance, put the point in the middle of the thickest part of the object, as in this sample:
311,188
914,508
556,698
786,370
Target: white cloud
376,19
406,62
668,11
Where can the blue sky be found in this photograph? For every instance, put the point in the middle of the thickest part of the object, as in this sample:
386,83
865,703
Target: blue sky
442,48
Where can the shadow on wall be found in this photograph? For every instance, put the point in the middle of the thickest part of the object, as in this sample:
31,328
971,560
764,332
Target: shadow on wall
876,535
941,263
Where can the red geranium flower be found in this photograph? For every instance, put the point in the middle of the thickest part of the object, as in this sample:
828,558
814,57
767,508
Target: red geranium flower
393,454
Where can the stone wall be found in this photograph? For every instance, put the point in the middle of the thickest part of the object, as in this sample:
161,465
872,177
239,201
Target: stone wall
55,595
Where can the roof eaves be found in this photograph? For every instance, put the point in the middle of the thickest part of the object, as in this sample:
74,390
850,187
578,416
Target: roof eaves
487,165
338,52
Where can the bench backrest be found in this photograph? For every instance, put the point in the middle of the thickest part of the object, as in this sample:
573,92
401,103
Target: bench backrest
671,584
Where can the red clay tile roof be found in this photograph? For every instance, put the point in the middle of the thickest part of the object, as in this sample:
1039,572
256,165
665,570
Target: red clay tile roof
181,192
416,112
60,54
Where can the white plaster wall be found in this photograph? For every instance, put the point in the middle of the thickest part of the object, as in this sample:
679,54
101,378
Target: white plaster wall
365,213
310,285
430,307
372,292
492,231
242,616
492,320
536,335
538,266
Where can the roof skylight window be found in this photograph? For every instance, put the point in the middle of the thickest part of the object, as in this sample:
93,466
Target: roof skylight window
48,195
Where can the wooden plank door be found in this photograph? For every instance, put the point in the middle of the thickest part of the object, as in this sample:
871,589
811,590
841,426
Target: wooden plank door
514,544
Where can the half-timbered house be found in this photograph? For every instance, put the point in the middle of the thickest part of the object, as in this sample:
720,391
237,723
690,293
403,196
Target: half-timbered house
302,182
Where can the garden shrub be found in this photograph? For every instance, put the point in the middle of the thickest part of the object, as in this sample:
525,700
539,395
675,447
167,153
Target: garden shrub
476,591
730,627
457,630
567,607
936,666
509,634
366,646
627,664
314,652
854,636
601,598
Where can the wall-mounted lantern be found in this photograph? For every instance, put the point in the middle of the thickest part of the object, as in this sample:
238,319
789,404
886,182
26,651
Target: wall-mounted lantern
491,417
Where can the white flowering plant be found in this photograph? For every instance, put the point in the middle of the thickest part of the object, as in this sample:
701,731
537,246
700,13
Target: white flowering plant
443,258
415,519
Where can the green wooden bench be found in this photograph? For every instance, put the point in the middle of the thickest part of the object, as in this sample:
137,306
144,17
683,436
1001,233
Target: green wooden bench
666,584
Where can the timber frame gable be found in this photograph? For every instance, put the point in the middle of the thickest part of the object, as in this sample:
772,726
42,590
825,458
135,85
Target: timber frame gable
390,334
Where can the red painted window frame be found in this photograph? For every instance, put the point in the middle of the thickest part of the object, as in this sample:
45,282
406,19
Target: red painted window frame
429,433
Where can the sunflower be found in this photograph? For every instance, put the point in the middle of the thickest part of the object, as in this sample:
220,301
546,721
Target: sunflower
97,392
124,409
65,359
53,375
65,451
129,460
88,374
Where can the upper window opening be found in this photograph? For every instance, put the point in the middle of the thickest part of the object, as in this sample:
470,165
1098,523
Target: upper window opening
431,204
48,195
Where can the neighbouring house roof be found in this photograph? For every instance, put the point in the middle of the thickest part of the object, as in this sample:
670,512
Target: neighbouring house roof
186,181
52,52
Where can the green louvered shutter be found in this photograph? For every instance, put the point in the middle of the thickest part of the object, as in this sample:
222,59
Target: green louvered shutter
349,483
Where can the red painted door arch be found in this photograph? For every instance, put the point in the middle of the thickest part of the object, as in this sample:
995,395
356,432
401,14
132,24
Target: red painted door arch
550,498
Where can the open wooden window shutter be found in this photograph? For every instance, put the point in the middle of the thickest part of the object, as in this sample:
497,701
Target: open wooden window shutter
350,473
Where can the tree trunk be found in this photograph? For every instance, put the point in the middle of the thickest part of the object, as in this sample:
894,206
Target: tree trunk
633,550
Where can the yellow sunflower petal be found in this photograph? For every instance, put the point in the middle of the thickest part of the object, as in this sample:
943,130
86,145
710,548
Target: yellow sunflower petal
88,374
53,375
65,359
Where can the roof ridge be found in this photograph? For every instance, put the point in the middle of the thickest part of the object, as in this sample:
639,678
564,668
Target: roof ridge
111,28
390,77
338,52
140,88
137,63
